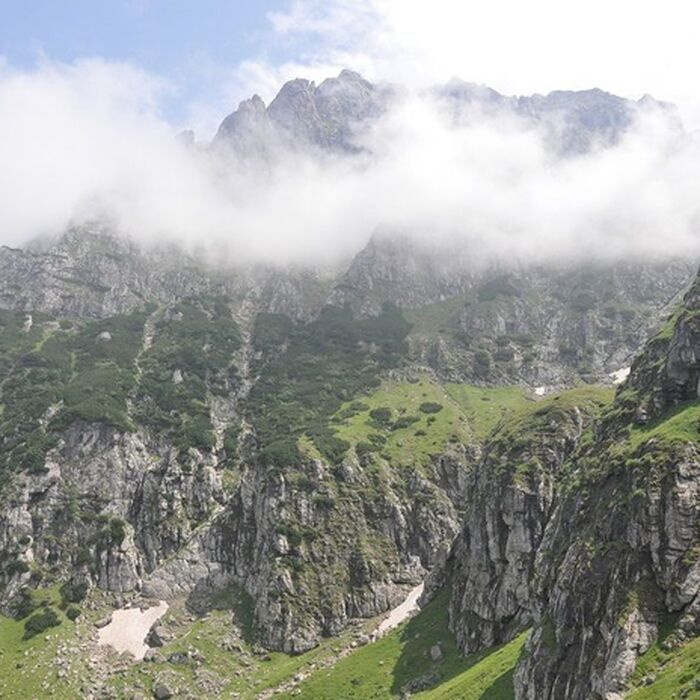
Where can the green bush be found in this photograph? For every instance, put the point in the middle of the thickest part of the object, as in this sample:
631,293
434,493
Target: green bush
281,453
404,422
363,448
16,566
73,592
382,415
117,530
483,359
23,604
377,440
73,612
40,622
430,407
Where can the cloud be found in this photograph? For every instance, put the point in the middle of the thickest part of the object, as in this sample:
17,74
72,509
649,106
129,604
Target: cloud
628,47
84,139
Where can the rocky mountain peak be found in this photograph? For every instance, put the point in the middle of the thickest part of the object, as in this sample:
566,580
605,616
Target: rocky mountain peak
329,116
304,115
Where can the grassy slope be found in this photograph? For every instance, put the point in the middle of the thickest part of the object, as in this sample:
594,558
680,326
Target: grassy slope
468,413
484,408
381,669
246,672
26,665
678,425
674,672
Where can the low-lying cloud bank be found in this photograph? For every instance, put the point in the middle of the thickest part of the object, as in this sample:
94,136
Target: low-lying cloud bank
87,138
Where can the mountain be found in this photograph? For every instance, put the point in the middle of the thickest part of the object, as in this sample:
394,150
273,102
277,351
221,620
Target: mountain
175,431
575,574
333,115
281,455
586,530
303,113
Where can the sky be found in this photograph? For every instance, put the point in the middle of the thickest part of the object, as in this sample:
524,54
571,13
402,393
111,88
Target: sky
195,47
210,54
93,93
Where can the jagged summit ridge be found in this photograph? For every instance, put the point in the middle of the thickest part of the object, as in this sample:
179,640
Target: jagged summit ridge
330,115
304,113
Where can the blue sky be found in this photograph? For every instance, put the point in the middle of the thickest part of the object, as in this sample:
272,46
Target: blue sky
157,34
212,53
193,44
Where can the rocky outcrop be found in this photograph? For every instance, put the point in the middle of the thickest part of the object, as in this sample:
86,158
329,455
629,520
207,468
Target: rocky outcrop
145,445
318,550
142,470
110,506
92,271
330,116
509,323
619,556
510,497
614,565
588,535
304,115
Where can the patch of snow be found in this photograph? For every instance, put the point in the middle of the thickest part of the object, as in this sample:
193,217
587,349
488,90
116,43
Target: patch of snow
620,375
129,627
539,390
28,323
401,612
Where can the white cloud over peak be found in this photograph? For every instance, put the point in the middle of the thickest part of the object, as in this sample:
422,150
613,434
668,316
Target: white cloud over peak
88,138
629,47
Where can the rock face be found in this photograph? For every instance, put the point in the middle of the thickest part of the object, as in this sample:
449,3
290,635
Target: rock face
512,323
168,428
601,562
330,116
311,564
574,122
133,454
91,272
619,556
303,114
509,503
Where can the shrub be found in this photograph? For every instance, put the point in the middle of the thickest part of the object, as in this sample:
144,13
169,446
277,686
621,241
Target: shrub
377,440
503,355
117,530
73,613
324,500
24,604
404,422
330,446
40,622
382,415
16,566
73,592
363,448
430,407
482,358
281,453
